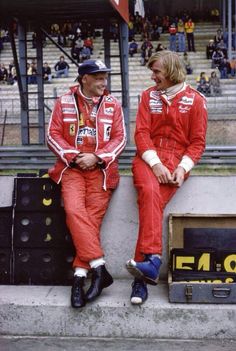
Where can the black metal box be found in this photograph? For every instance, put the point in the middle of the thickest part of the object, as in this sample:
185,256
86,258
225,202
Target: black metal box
5,226
36,194
41,230
5,265
202,252
43,266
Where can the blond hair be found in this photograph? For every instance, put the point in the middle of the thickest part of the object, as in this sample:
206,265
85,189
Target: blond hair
172,64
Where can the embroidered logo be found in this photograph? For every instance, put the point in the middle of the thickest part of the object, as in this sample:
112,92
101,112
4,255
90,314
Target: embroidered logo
109,109
72,129
107,132
69,110
184,109
155,102
67,99
109,98
185,100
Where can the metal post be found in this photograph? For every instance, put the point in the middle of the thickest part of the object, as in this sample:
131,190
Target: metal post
124,58
224,15
230,29
23,73
107,52
41,115
234,44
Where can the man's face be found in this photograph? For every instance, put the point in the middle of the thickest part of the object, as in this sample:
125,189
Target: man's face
158,75
94,84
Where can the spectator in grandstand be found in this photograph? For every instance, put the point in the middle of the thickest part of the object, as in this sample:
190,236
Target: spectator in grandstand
170,138
181,35
210,48
133,48
85,53
160,47
222,46
172,37
165,23
32,73
137,23
189,29
232,63
187,64
55,29
87,134
203,84
77,46
214,83
61,67
218,37
224,68
47,73
33,40
217,58
114,31
3,74
88,42
147,47
131,28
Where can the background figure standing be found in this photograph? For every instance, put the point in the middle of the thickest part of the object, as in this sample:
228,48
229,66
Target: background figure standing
189,29
170,138
87,133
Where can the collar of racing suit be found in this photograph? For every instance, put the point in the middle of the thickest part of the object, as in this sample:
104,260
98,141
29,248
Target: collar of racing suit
172,91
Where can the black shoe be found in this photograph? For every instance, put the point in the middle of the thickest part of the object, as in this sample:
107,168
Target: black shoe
77,293
101,279
139,292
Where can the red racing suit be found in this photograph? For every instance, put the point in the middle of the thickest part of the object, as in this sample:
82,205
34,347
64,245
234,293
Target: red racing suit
172,129
86,194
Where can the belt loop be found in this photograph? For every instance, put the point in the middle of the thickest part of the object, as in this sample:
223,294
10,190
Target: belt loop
160,141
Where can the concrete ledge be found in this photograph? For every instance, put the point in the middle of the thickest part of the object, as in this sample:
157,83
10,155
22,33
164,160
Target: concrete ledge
46,311
199,195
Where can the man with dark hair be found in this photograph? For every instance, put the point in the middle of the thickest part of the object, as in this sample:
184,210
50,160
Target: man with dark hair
170,138
87,133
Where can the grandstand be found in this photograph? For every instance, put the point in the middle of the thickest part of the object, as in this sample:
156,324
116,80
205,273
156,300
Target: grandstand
221,109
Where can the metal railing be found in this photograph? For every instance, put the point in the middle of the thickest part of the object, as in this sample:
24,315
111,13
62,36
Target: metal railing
40,157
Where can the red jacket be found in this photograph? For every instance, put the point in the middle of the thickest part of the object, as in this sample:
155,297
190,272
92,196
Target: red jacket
110,135
183,121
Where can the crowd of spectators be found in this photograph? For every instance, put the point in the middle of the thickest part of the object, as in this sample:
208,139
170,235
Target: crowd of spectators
217,52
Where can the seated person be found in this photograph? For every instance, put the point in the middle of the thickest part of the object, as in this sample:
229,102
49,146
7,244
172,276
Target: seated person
187,64
232,63
224,68
217,57
61,67
203,84
210,48
85,53
47,74
133,48
214,84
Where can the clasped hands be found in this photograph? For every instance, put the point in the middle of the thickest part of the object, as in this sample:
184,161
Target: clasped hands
86,161
165,177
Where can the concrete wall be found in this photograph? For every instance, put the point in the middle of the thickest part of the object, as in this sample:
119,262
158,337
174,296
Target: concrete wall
199,195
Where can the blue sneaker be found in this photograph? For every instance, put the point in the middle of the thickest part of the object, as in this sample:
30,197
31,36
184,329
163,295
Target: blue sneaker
147,270
139,292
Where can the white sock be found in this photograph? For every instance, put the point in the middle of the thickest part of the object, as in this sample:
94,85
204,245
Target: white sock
97,262
81,272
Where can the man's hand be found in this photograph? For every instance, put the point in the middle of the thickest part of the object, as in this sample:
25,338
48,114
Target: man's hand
177,177
86,161
162,173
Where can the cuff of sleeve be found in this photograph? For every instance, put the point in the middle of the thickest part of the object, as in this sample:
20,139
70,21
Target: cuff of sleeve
187,163
151,158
